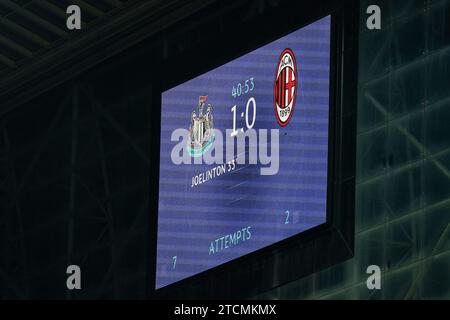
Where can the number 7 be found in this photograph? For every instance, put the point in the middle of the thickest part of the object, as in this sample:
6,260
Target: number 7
174,261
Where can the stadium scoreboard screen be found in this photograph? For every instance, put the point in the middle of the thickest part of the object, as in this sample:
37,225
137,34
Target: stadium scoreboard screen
244,154
255,175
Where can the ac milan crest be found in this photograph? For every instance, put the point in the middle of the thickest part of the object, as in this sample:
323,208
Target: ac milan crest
285,87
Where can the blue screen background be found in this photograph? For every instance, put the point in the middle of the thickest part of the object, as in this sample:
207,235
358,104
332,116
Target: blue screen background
189,218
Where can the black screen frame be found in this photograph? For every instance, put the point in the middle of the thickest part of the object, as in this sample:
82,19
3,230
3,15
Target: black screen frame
313,249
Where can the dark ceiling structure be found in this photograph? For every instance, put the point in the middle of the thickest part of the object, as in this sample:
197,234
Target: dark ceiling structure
30,28
35,44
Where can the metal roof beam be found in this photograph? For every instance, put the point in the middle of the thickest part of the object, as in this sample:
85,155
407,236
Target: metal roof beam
7,61
88,8
24,32
34,18
114,3
15,47
50,7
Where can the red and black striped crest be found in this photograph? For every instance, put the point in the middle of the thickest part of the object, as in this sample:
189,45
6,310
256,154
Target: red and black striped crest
285,87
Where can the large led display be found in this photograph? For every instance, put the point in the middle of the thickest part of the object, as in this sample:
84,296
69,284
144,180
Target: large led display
244,154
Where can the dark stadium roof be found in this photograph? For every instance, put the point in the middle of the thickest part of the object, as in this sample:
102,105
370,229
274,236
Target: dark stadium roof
29,28
34,38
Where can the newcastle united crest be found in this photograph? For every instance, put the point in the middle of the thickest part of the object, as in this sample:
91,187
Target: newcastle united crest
201,129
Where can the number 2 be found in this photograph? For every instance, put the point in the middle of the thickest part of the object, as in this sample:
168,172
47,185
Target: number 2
287,217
